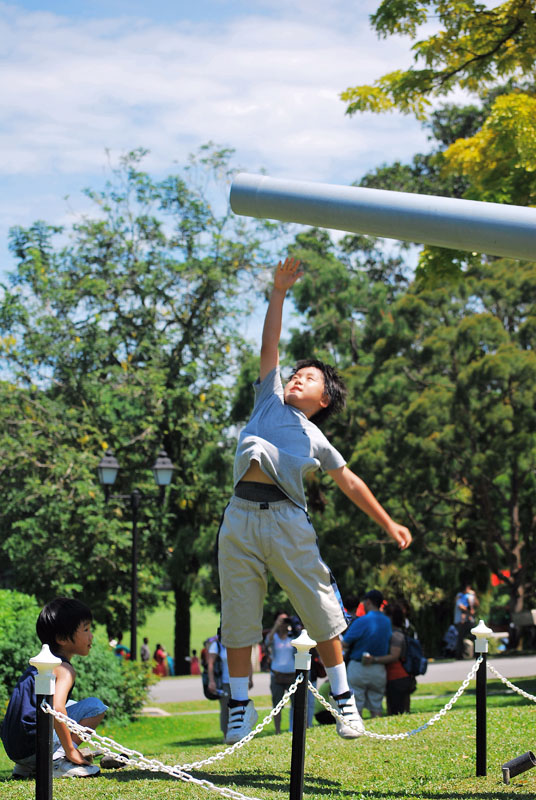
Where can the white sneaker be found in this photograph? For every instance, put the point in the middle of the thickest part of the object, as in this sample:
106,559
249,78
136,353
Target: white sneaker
21,771
242,718
63,768
353,726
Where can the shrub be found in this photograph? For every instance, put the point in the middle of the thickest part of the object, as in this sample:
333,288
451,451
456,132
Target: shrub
121,684
18,639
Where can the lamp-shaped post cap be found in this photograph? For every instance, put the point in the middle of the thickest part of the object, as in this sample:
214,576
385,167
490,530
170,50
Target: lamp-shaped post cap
44,664
163,469
303,644
482,634
107,469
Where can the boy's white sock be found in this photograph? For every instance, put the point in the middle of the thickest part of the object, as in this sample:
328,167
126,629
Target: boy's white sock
239,688
337,679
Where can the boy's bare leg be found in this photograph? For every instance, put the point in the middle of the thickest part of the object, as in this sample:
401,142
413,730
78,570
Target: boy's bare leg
239,661
330,652
242,714
89,722
342,698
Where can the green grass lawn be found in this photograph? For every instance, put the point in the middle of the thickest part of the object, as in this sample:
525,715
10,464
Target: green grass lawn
160,624
437,764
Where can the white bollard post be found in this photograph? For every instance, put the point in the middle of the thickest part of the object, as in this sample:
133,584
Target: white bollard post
45,682
482,633
302,662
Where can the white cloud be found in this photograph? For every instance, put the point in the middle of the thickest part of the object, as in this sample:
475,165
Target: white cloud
267,86
265,81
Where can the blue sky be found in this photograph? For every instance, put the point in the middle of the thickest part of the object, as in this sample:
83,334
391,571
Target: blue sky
82,78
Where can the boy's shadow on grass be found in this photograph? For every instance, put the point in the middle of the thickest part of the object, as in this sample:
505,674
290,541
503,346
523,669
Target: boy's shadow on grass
313,787
200,741
216,741
244,781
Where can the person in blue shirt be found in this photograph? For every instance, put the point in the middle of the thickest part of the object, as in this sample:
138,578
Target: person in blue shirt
369,634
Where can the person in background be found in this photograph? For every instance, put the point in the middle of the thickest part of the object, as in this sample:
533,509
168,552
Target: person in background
145,653
194,664
160,656
465,607
282,670
399,684
217,650
368,635
120,649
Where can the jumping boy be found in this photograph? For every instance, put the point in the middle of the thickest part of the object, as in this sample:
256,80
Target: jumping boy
65,625
266,526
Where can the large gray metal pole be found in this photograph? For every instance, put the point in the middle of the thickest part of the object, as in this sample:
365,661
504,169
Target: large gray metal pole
490,228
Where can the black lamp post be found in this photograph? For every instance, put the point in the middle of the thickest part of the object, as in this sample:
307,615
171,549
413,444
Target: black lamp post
163,472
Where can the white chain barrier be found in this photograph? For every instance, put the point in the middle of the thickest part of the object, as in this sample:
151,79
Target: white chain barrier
396,736
514,688
135,759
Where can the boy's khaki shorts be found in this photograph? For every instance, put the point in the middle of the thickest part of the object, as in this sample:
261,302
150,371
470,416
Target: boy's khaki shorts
255,537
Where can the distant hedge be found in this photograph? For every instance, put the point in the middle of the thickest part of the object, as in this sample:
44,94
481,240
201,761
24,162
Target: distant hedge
18,639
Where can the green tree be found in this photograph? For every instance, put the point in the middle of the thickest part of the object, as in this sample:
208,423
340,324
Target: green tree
122,333
474,49
488,52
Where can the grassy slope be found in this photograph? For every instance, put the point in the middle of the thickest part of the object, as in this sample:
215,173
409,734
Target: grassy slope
437,764
159,626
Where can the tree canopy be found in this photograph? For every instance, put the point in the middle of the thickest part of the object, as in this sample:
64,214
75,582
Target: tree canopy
489,53
122,333
475,48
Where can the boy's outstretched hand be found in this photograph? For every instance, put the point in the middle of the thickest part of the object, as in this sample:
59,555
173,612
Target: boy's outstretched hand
287,273
401,535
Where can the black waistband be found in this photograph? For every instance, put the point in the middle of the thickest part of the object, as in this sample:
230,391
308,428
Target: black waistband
259,492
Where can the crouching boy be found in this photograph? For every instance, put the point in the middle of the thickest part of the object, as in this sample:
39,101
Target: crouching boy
65,625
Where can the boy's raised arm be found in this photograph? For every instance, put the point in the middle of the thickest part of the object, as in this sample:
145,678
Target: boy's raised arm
359,493
286,275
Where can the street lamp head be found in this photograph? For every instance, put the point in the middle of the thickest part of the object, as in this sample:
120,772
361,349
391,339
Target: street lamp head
107,469
163,469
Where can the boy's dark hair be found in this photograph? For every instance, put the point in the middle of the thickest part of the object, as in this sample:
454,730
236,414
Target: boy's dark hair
333,386
61,617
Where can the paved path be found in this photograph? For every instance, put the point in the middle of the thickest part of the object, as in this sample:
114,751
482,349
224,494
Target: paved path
175,690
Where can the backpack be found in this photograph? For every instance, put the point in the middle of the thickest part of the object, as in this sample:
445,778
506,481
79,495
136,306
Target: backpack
414,661
218,672
18,729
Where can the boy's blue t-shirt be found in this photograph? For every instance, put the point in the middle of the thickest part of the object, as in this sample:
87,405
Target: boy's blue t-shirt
285,443
369,634
19,725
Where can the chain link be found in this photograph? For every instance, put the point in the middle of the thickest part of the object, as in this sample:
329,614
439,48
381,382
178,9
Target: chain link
511,685
266,721
397,736
135,759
